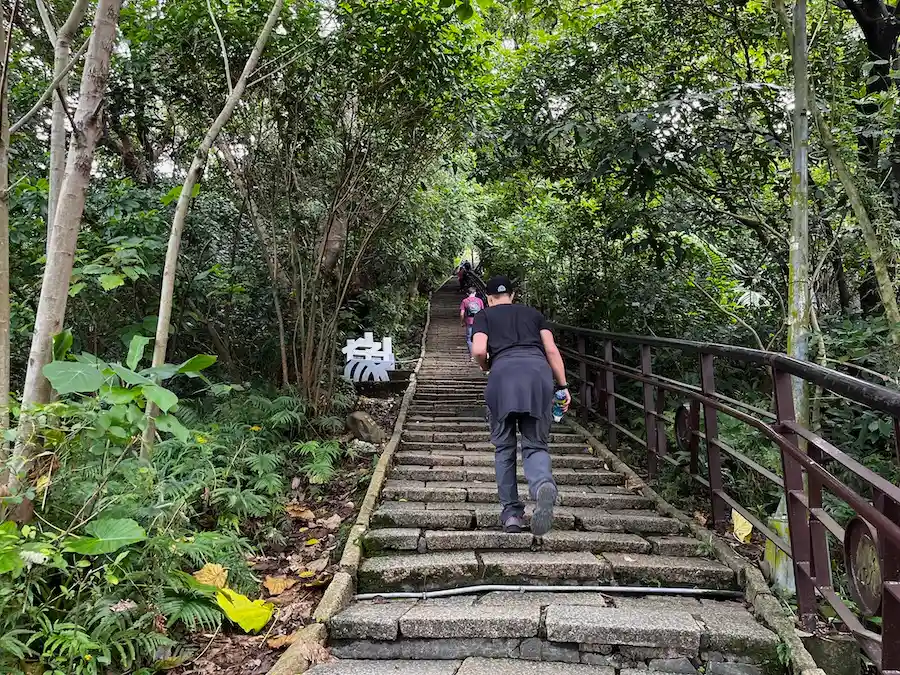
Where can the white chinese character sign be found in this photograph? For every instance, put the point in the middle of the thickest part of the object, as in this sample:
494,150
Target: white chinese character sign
368,360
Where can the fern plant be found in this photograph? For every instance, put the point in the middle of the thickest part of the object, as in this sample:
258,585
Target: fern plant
318,460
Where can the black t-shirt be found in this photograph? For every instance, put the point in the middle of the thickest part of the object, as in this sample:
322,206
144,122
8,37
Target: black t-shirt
511,327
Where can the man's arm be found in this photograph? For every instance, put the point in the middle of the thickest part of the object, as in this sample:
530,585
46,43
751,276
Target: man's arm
479,350
462,317
554,358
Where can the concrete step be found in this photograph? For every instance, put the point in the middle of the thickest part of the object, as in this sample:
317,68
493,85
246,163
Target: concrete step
487,459
432,541
366,667
459,491
485,446
664,633
487,474
467,516
472,437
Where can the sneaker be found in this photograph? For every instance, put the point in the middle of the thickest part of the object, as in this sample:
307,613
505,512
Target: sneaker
514,524
542,520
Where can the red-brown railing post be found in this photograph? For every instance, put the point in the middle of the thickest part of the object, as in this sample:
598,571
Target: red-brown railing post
583,375
610,389
711,427
649,408
694,442
890,599
798,519
661,441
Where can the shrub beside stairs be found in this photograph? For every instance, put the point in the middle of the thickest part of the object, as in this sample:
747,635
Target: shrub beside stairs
437,527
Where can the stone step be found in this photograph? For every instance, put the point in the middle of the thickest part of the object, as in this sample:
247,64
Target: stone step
398,667
624,631
472,436
485,446
487,474
458,491
467,516
432,541
487,459
434,571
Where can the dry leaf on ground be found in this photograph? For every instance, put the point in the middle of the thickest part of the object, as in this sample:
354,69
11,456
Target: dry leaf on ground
633,483
278,585
318,565
332,523
700,518
282,641
312,542
212,574
299,511
314,653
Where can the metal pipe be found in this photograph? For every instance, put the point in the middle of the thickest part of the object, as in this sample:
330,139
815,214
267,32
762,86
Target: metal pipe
627,590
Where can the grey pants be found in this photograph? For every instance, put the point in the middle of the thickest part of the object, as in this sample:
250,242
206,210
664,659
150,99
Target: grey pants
535,458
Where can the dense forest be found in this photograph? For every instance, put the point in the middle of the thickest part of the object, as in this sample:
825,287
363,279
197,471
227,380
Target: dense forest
201,200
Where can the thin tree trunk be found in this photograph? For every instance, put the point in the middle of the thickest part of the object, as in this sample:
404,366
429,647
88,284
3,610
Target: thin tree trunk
270,253
798,241
870,235
4,233
193,176
62,48
58,269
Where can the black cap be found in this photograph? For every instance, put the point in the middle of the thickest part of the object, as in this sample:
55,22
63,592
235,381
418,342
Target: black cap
499,285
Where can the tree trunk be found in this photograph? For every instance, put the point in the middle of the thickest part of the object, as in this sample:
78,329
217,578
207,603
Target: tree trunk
4,234
270,253
62,48
58,269
193,176
798,242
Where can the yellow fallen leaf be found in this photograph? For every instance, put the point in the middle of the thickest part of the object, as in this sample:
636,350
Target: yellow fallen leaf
312,542
742,527
278,585
282,641
251,615
212,574
307,574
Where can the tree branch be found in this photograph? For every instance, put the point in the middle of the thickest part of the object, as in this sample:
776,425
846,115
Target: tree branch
215,23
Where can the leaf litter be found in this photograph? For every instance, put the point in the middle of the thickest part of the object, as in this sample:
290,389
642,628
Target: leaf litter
293,573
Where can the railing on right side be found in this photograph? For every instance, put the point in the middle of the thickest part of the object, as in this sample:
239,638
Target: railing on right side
870,539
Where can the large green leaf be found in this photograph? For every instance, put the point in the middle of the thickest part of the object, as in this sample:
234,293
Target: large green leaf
111,281
161,396
107,536
136,350
196,363
251,615
171,424
62,343
129,376
69,377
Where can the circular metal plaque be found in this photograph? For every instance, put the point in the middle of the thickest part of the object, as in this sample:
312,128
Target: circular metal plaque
863,565
683,427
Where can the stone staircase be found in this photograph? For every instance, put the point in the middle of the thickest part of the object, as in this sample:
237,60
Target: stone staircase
437,528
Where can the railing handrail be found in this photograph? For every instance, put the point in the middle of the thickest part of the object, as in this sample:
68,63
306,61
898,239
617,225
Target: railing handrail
873,395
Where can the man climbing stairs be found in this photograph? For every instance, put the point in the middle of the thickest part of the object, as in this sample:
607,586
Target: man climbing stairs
437,529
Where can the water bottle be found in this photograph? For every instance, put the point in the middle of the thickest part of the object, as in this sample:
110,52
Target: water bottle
558,402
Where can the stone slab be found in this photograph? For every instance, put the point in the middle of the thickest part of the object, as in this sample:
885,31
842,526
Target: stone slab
543,598
634,522
422,493
570,540
393,538
418,571
422,517
354,667
651,570
675,545
562,566
488,516
429,473
733,634
434,619
369,620
479,666
481,540
678,632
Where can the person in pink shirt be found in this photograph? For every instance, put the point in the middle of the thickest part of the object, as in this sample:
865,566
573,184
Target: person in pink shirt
468,309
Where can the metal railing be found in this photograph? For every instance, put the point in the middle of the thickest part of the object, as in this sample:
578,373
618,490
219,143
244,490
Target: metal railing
870,538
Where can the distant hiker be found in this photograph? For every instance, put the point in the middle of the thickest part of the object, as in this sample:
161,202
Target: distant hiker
523,362
461,272
468,310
